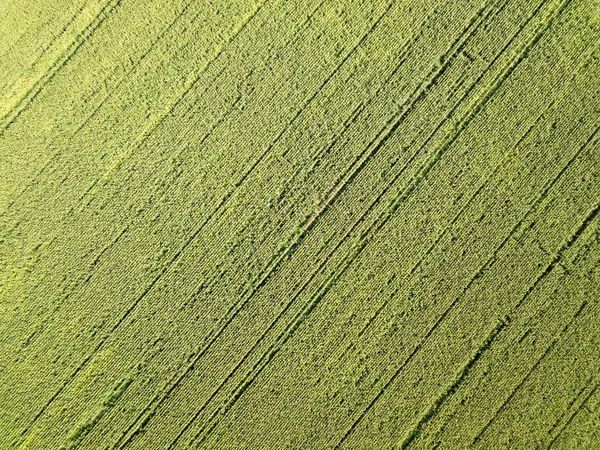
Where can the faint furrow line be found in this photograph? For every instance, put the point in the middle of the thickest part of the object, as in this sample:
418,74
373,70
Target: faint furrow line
24,432
148,289
576,397
44,50
333,194
463,123
350,120
482,102
176,256
433,410
518,226
466,120
140,60
339,274
83,281
446,312
37,87
93,185
528,374
99,106
45,24
559,254
506,158
403,54
8,49
418,94
232,106
294,244
176,99
566,425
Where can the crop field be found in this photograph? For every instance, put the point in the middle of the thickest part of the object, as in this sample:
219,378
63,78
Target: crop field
299,224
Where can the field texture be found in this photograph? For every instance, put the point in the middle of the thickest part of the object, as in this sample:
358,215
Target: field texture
303,224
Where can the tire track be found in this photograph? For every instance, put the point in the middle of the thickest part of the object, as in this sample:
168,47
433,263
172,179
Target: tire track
12,115
529,373
576,397
573,415
289,125
559,254
301,316
297,240
477,275
347,182
510,152
506,158
333,194
238,29
527,332
45,50
87,120
414,433
289,249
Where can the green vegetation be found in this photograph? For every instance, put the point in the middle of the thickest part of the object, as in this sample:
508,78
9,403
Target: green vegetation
299,224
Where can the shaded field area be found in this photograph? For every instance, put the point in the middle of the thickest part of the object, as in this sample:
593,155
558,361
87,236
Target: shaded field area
303,224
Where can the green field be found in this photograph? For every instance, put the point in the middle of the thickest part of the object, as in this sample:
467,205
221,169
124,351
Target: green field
299,224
